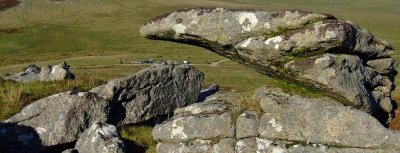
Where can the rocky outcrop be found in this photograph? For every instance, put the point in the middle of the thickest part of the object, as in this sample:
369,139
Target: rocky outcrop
287,123
100,137
46,73
62,118
339,58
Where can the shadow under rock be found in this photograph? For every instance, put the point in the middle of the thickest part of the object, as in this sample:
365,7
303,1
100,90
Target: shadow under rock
16,138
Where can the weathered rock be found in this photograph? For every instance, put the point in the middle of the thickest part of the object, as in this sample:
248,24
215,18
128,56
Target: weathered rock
157,90
58,119
288,123
61,118
100,137
46,73
344,61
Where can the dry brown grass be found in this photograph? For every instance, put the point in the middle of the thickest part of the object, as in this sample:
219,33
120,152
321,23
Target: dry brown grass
395,123
250,104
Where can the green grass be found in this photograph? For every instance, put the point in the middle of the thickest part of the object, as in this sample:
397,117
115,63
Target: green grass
14,96
141,135
95,35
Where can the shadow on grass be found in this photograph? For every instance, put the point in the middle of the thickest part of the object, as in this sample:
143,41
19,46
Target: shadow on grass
6,4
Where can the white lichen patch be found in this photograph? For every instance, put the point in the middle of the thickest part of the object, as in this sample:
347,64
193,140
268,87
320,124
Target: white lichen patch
278,150
40,130
274,124
193,109
246,43
275,40
177,131
267,25
331,34
179,28
276,46
239,146
262,145
251,18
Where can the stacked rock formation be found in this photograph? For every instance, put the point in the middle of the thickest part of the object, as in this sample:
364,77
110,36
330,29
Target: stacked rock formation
62,118
46,73
336,57
287,123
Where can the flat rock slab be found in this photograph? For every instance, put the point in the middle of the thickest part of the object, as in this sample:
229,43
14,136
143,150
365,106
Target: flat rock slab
337,57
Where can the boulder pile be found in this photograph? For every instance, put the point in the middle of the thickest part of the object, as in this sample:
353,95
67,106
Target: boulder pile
63,118
336,57
46,73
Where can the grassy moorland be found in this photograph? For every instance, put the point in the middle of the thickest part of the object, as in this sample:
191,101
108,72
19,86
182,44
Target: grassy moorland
99,38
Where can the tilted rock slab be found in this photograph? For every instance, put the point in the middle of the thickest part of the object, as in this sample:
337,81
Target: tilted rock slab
155,91
46,73
287,123
338,57
62,118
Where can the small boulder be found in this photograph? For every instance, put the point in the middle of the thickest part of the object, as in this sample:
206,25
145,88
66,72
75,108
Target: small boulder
100,137
46,73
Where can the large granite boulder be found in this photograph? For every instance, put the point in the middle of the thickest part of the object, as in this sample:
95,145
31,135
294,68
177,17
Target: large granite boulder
157,90
46,73
100,137
337,57
55,120
62,118
287,123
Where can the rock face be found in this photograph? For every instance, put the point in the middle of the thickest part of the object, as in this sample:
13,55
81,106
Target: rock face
341,59
287,123
46,73
100,137
62,118
155,91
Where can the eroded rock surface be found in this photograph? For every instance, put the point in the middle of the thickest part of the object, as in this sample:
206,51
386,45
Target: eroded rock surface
287,123
341,59
46,73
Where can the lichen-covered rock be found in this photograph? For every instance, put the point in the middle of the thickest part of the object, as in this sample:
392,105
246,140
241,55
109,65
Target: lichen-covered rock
100,137
157,90
343,60
58,119
288,123
46,73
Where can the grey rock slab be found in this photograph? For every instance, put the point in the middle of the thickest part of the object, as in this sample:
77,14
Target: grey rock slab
359,85
270,41
100,137
246,125
183,148
330,125
60,118
154,91
182,129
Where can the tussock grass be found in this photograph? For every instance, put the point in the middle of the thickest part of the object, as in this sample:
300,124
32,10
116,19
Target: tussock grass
14,96
141,135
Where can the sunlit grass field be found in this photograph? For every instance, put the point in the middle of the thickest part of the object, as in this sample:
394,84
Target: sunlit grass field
99,38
